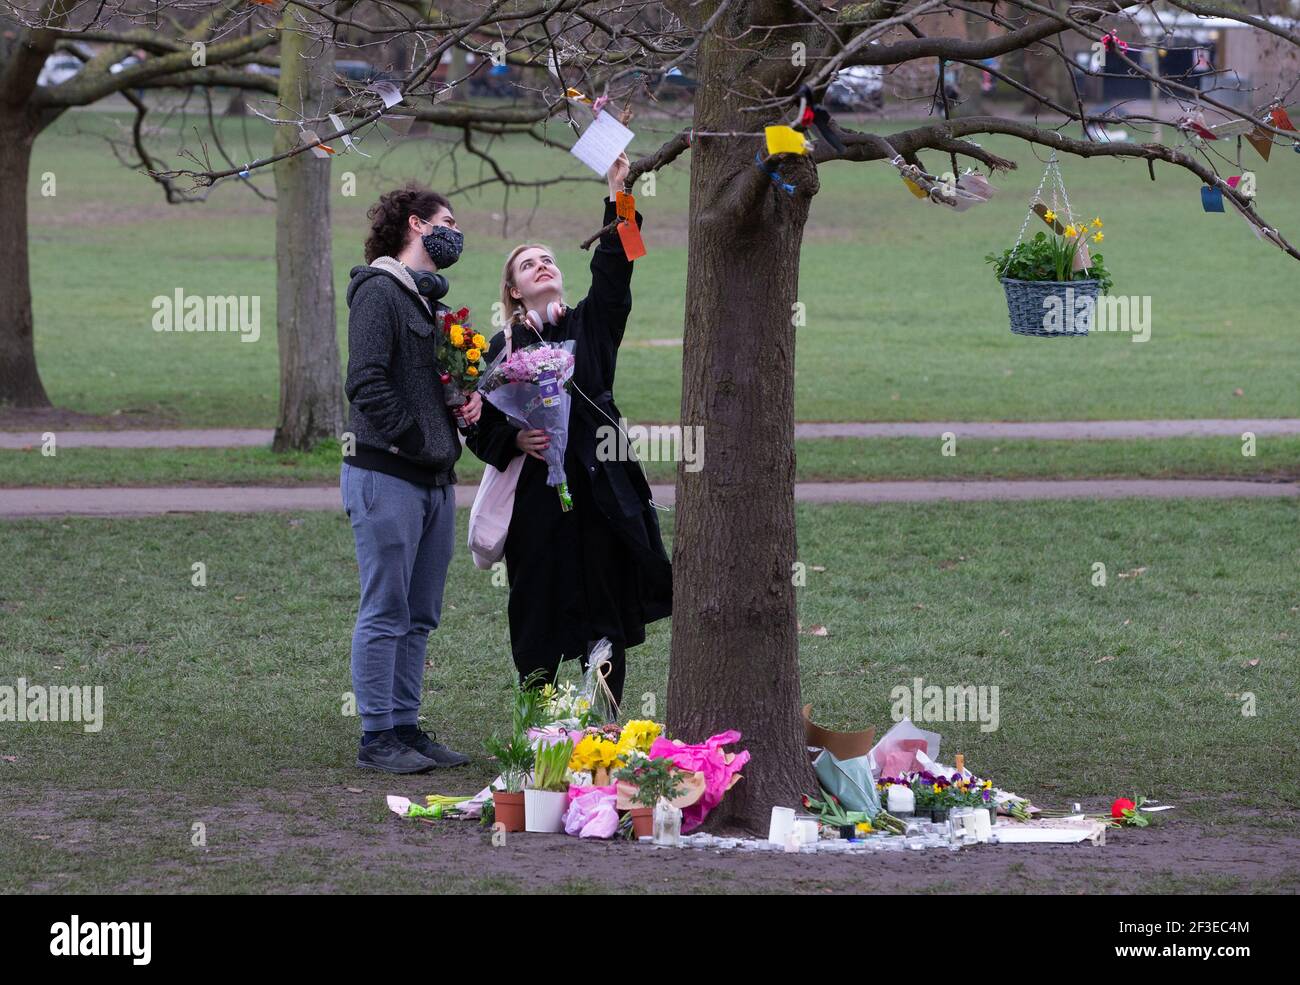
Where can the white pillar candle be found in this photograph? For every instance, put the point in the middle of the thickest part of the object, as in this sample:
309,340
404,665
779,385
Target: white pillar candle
781,825
983,826
805,826
900,800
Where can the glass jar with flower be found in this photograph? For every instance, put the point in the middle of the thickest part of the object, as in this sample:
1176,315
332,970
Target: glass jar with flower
658,781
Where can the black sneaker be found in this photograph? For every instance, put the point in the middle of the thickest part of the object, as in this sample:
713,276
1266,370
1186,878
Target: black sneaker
428,748
388,754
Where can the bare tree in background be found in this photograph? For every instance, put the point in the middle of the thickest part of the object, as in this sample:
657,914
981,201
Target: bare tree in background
29,34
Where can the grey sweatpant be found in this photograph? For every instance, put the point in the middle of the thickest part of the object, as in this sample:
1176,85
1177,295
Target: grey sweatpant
405,535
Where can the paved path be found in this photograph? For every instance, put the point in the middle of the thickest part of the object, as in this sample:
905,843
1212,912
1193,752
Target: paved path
25,502
1040,430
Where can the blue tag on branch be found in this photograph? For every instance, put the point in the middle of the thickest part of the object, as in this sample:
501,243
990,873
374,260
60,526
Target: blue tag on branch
1211,199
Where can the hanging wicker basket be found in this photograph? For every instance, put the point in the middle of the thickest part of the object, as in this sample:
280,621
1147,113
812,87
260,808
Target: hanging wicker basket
1029,304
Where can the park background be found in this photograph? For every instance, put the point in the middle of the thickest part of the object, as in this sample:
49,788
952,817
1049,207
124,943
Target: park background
223,704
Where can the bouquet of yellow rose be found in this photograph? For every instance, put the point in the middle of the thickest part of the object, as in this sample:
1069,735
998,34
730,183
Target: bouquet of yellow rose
460,358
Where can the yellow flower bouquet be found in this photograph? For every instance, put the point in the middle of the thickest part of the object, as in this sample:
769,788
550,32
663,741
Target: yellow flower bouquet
460,358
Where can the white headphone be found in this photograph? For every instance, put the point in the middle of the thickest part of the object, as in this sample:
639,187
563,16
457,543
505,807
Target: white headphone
554,312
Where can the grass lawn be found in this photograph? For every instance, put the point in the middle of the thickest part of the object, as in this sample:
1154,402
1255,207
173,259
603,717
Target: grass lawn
825,459
223,703
904,319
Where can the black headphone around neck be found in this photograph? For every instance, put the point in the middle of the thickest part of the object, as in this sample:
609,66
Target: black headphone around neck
432,286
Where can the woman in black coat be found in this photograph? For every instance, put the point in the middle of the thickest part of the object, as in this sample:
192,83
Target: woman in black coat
600,569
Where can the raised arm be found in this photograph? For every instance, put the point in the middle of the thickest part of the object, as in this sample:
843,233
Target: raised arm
610,298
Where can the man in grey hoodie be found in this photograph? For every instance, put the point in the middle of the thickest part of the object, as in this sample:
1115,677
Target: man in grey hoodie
398,483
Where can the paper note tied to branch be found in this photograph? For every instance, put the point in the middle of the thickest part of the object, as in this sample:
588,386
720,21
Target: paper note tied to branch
311,140
386,91
337,121
601,143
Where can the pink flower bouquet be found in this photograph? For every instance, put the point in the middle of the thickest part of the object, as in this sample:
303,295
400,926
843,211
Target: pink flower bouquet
528,387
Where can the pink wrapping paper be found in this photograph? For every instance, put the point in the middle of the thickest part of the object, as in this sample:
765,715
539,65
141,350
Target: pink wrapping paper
592,812
721,770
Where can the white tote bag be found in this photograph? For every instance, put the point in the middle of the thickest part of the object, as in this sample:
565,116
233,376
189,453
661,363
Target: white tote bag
489,517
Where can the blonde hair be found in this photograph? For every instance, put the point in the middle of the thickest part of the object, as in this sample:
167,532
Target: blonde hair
513,307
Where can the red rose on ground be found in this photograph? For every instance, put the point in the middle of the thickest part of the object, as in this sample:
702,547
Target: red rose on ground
1118,808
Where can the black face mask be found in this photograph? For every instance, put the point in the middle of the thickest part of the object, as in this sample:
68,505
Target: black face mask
443,246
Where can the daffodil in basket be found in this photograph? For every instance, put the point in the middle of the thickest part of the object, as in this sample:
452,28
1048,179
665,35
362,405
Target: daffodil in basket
1052,280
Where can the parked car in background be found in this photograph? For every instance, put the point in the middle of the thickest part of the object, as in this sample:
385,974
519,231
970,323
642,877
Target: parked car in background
58,68
358,71
125,63
858,87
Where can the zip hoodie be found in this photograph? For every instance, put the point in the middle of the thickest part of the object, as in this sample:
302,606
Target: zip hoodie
398,414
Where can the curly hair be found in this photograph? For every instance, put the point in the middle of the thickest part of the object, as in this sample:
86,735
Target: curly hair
388,225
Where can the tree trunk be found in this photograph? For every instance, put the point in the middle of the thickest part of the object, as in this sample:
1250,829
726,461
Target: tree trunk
735,650
457,70
311,388
20,382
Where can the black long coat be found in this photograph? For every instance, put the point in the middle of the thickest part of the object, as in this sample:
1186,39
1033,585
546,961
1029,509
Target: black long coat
599,570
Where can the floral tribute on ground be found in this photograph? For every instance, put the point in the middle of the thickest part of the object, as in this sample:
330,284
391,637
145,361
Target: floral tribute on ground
568,766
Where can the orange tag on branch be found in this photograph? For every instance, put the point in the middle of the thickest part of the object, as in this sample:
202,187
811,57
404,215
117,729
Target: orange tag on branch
625,206
628,232
630,236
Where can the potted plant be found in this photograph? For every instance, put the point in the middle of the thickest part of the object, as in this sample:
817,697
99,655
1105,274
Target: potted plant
547,797
515,758
1052,282
923,792
655,780
516,755
946,797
